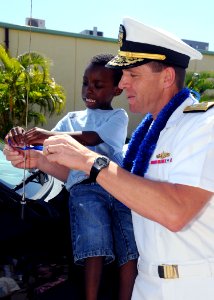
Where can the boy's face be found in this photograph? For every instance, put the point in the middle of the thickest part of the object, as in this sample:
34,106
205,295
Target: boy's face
98,87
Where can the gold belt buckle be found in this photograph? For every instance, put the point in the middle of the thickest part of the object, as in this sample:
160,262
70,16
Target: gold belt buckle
170,271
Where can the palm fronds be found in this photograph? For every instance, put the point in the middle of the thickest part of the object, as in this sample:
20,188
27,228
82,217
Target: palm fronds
26,80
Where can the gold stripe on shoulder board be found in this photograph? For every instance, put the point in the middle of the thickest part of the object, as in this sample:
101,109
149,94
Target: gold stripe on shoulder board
199,107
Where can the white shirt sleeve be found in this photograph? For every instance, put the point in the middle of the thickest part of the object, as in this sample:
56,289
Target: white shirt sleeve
193,156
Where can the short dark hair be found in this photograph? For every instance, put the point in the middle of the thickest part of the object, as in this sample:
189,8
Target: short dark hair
102,60
180,72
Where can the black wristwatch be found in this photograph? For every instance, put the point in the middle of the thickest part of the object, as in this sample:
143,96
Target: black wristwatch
100,163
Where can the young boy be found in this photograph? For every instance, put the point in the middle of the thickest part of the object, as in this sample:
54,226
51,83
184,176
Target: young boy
101,226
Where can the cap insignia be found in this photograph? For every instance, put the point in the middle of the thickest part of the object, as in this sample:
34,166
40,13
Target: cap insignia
121,35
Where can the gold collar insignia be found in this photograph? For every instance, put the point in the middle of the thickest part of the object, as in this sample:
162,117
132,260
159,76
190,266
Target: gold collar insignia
163,155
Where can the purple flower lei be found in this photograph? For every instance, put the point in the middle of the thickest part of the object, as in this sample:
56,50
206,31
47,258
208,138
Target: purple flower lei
144,140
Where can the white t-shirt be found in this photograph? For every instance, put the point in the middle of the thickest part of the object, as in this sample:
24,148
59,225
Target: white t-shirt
110,125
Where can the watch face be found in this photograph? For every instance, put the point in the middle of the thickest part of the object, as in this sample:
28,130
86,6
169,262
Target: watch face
102,161
99,163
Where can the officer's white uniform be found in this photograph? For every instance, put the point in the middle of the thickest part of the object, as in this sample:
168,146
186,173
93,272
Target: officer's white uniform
184,155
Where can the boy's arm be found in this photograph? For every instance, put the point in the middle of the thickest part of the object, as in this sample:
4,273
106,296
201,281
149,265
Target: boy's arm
86,138
19,137
38,135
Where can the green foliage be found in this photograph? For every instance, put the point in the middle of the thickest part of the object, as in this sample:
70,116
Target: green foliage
203,83
27,92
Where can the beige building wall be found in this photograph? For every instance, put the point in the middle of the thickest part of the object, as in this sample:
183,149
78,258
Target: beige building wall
70,53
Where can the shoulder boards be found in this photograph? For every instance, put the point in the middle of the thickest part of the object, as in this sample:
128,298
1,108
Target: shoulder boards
199,107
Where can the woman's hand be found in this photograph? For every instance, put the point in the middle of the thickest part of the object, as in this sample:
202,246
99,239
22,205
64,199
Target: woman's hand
66,151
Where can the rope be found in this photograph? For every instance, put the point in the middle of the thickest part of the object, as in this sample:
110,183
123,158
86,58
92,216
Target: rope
23,199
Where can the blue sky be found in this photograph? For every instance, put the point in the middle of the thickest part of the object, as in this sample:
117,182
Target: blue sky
188,19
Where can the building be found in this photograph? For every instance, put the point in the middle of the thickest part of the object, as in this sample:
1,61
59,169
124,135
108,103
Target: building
197,45
93,32
35,22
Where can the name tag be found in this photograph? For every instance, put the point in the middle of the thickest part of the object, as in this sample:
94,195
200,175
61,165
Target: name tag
161,161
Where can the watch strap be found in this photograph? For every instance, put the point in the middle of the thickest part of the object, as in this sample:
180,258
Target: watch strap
94,173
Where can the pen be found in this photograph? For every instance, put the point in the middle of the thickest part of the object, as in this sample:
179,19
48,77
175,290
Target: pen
38,147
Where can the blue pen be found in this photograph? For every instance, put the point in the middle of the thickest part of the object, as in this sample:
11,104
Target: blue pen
38,147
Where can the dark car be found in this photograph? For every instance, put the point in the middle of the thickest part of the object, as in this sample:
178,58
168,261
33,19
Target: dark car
35,239
34,226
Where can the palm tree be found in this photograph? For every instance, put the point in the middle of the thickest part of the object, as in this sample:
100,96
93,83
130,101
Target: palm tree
202,83
27,92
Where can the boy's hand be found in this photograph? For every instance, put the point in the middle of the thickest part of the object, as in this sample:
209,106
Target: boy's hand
15,137
36,136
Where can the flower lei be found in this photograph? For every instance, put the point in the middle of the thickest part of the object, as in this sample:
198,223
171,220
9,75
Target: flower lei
144,139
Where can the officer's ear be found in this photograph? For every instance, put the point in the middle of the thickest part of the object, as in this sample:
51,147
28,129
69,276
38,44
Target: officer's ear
169,76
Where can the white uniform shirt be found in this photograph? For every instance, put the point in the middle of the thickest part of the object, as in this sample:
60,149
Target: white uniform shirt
184,155
110,125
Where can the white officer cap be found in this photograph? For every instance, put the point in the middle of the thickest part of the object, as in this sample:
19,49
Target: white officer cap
139,44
